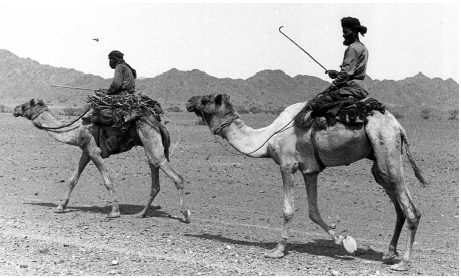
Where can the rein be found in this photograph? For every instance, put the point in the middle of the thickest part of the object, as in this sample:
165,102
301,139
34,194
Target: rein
222,126
54,128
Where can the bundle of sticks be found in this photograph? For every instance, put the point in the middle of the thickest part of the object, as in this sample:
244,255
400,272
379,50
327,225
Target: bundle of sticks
126,103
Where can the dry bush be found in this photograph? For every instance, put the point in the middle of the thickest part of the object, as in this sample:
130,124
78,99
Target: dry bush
453,114
425,113
4,109
73,111
174,109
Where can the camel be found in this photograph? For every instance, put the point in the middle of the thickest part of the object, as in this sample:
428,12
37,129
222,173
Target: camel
147,133
309,151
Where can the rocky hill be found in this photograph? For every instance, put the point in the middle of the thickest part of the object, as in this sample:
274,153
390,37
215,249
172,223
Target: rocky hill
25,78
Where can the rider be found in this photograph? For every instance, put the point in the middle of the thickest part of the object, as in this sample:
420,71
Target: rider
124,76
122,84
349,81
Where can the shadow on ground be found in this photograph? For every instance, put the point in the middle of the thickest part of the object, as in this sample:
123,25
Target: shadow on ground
319,247
125,209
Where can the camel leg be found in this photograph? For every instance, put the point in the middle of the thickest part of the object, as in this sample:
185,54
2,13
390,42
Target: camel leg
155,189
314,214
84,159
400,221
388,172
99,162
288,213
179,183
153,147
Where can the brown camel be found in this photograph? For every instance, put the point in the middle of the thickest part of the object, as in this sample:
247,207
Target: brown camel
85,135
310,151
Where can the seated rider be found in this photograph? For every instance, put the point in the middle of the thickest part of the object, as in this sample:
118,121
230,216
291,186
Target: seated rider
124,76
348,83
122,84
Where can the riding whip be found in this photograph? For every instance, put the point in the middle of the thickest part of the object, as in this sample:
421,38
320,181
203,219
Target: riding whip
280,29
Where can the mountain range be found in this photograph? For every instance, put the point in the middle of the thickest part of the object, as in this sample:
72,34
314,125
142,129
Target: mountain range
23,79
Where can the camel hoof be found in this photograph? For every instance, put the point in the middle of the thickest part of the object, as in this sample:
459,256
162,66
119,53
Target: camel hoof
402,266
113,215
187,215
390,256
274,254
139,215
350,244
60,209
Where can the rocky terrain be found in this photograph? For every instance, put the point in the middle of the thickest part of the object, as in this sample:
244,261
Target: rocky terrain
236,203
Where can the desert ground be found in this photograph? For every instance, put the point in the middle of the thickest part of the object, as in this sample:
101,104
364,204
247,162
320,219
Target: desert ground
236,205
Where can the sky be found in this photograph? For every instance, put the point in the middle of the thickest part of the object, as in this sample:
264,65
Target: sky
234,40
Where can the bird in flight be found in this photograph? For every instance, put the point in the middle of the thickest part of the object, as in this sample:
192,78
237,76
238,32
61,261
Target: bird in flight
96,40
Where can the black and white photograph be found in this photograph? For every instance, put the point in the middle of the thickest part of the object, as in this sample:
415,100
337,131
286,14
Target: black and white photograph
229,138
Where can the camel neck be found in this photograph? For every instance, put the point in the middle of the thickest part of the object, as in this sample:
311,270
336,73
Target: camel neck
247,140
64,135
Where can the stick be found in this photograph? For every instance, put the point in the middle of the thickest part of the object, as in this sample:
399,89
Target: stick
280,29
78,88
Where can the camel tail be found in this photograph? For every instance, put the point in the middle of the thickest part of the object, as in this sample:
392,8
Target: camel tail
166,141
418,172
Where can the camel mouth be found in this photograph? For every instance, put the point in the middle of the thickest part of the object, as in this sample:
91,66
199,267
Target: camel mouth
190,108
17,112
191,105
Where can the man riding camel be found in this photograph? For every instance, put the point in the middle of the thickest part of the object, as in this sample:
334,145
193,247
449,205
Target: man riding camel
348,83
124,76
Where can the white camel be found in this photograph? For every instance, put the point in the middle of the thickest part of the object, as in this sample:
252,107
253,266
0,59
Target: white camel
381,140
148,133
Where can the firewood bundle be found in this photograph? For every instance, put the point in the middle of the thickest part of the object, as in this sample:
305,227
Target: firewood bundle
126,103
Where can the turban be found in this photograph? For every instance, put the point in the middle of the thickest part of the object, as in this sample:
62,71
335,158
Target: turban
116,54
353,23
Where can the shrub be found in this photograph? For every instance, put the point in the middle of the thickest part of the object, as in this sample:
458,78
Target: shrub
242,109
174,109
425,113
255,109
72,111
4,109
200,122
398,115
453,114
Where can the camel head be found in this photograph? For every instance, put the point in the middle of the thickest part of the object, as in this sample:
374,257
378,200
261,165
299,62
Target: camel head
31,109
215,110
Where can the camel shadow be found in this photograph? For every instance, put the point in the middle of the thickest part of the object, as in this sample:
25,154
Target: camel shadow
125,209
319,247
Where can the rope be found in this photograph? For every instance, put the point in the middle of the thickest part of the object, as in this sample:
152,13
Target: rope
59,127
277,132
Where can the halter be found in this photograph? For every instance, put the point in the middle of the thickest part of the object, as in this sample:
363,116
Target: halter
40,112
44,109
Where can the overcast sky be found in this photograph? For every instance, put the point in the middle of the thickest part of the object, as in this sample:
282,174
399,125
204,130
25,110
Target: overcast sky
233,40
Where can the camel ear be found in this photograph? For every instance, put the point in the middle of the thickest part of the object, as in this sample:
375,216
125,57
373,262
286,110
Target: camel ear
218,99
32,102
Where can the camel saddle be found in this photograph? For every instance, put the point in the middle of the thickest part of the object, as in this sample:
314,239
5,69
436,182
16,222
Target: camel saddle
114,118
349,111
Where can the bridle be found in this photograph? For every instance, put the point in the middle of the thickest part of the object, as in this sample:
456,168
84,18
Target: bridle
44,109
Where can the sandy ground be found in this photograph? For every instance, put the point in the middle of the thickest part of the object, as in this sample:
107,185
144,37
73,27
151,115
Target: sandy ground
236,203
